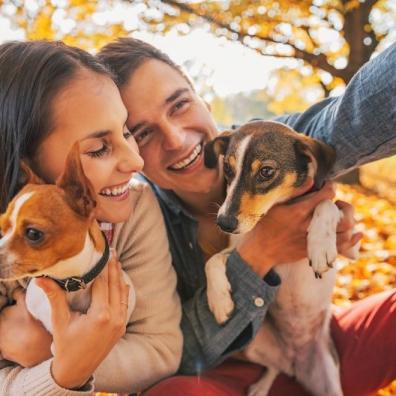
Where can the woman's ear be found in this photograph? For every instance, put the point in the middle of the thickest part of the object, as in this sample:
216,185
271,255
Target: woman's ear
80,193
216,147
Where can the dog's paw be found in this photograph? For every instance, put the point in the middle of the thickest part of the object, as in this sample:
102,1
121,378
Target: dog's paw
218,288
220,302
322,234
321,258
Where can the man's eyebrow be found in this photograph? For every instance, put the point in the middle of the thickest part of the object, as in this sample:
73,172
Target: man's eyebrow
175,95
96,135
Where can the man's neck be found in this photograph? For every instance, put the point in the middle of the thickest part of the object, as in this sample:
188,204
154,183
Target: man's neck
206,203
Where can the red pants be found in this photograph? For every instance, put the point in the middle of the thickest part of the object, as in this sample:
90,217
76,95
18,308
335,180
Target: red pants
365,337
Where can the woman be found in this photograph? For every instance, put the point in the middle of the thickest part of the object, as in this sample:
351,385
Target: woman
51,96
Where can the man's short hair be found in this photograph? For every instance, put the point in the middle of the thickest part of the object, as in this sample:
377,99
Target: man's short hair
124,56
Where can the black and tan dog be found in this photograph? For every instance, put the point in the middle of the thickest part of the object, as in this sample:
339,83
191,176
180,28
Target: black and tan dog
266,163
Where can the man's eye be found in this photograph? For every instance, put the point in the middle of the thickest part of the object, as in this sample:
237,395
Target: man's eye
142,136
179,105
99,153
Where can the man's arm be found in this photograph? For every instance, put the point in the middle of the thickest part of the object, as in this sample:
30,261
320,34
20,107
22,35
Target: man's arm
361,123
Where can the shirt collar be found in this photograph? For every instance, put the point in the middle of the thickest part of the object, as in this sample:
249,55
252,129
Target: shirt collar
169,198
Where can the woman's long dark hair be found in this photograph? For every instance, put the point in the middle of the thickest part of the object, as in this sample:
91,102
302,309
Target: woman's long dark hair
31,74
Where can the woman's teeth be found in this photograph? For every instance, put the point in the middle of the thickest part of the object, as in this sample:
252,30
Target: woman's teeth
189,160
116,191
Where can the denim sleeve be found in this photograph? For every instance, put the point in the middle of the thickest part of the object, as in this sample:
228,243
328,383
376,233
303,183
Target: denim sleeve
207,343
361,123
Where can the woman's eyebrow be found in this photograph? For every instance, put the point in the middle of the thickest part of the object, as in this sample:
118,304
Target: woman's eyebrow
96,135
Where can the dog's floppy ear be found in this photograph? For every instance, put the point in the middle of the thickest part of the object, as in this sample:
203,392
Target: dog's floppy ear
216,147
28,176
323,154
80,194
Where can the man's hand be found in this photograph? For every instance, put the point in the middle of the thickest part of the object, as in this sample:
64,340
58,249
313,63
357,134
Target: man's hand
23,339
346,238
281,235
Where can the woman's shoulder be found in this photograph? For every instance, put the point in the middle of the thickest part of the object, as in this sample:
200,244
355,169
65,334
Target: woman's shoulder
145,209
142,194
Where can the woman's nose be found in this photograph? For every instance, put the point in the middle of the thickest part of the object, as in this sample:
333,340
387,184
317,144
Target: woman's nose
131,160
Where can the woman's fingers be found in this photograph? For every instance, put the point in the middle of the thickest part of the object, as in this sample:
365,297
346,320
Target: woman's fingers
100,289
114,281
60,311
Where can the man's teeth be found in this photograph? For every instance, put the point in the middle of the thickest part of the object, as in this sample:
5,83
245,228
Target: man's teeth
184,163
113,192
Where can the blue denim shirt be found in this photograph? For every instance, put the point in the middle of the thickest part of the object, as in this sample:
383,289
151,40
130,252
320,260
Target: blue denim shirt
361,126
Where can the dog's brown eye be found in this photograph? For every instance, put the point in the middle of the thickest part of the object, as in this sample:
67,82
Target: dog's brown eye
228,172
33,235
266,173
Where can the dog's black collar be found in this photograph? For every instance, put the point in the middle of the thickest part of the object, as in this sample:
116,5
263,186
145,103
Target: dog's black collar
77,283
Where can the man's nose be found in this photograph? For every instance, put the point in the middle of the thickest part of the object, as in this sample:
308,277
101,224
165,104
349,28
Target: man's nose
173,137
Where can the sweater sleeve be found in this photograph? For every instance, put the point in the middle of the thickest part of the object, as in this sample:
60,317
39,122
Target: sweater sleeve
35,381
152,346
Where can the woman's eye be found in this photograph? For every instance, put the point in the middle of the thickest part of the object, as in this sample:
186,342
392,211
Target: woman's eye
99,153
127,134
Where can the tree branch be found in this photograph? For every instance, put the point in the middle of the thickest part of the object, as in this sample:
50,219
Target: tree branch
319,61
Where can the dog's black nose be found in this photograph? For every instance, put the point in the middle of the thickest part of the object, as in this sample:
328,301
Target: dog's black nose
227,223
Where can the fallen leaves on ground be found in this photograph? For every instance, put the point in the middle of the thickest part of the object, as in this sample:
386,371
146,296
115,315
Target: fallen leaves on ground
375,269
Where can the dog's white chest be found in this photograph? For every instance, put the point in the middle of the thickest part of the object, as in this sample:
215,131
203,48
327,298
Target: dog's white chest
38,305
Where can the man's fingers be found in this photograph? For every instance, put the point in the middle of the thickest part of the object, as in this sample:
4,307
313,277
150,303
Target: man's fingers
347,221
60,311
306,204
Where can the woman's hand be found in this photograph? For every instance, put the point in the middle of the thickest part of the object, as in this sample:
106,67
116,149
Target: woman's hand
82,341
281,235
23,339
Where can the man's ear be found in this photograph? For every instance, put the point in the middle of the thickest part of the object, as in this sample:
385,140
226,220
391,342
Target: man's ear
323,154
216,147
80,194
28,176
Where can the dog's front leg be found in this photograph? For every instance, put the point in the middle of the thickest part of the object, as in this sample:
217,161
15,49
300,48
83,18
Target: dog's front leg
218,287
322,237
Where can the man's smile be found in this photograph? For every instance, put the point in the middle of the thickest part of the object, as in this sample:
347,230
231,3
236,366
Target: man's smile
187,161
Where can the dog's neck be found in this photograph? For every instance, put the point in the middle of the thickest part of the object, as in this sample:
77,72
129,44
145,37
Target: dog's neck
81,263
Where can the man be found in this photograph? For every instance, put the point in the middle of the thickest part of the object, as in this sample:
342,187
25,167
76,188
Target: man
171,124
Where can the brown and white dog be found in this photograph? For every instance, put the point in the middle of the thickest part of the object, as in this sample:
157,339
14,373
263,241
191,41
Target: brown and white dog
266,163
50,230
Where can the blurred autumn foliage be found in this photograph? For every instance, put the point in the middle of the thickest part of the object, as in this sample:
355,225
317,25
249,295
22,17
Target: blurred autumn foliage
328,39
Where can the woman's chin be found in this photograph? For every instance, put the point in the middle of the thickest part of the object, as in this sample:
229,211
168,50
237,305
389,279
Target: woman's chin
118,213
